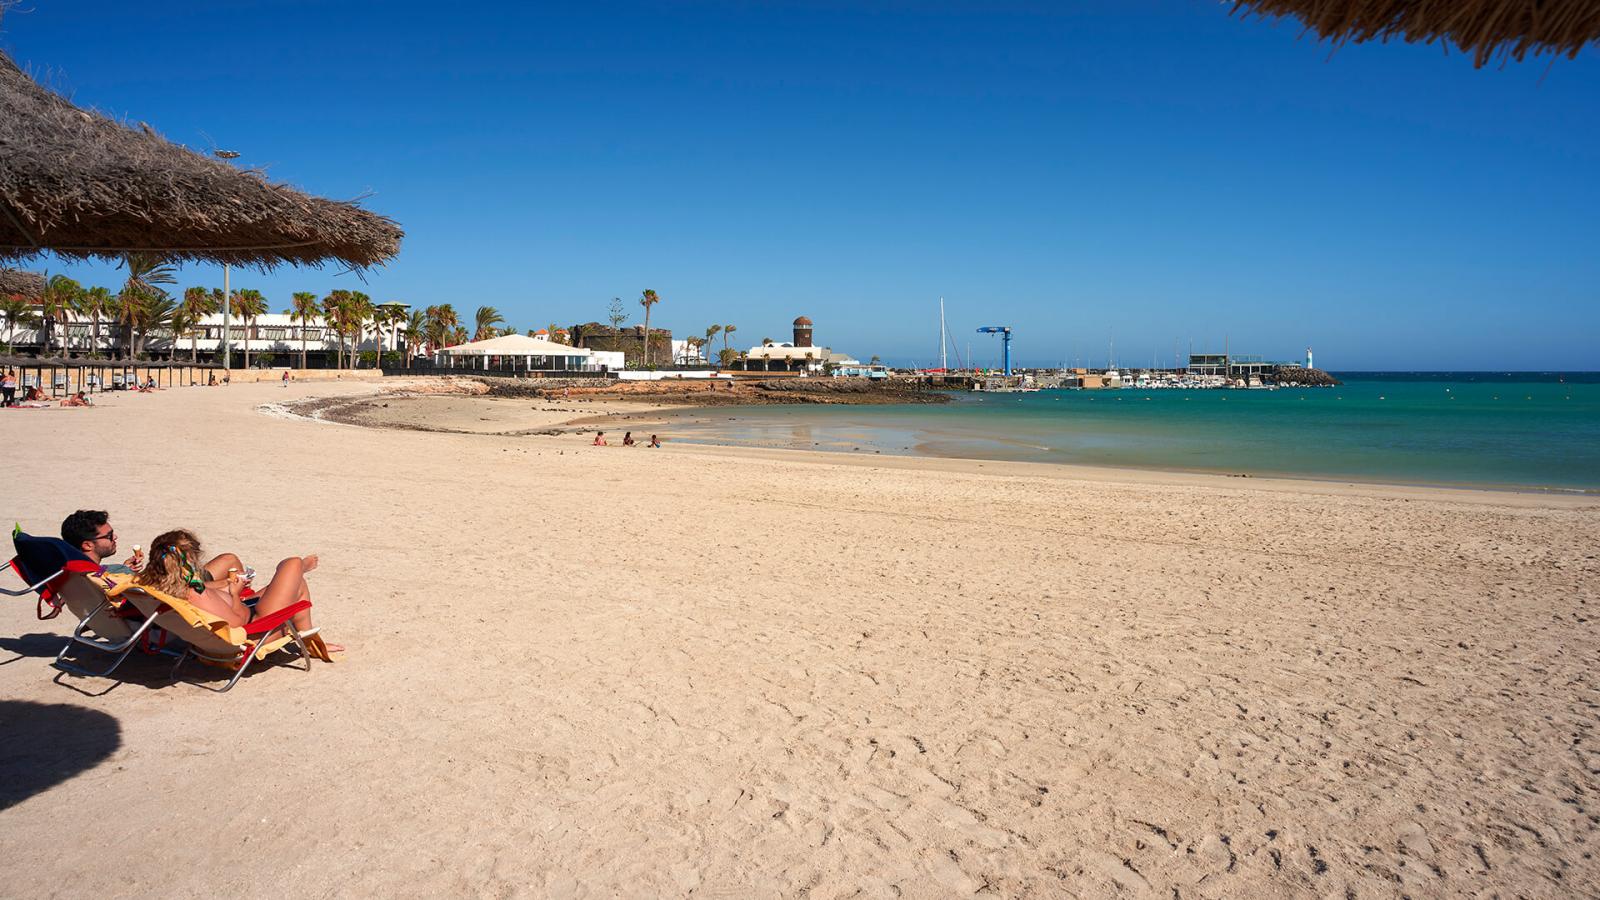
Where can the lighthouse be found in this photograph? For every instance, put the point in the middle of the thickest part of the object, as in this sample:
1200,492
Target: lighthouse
1308,359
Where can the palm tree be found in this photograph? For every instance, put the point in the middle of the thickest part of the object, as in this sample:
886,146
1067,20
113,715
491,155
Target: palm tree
392,314
445,324
198,302
56,300
766,342
333,316
647,299
248,303
458,336
147,313
146,273
727,331
416,333
485,319
183,320
96,301
360,312
711,335
303,308
17,312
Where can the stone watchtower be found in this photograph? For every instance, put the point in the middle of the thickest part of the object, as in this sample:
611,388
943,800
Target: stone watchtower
802,332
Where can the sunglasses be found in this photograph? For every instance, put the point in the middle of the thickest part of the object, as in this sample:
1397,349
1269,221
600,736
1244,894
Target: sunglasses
108,536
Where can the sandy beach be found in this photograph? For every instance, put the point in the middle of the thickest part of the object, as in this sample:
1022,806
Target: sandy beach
597,672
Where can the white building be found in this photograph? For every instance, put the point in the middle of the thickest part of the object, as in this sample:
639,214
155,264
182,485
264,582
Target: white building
271,335
520,353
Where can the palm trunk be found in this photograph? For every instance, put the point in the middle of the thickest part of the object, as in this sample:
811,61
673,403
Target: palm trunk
302,346
647,337
247,342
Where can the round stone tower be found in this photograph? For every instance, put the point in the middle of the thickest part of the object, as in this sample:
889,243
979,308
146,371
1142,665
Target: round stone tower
802,332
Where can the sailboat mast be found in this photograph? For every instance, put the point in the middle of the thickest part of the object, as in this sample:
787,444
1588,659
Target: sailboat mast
943,364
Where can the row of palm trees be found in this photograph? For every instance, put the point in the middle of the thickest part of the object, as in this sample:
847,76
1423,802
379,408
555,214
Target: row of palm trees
711,333
143,306
140,307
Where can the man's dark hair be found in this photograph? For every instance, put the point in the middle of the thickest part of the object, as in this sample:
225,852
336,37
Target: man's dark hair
82,526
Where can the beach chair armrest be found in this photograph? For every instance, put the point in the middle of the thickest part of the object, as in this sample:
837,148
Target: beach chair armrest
82,567
32,587
268,623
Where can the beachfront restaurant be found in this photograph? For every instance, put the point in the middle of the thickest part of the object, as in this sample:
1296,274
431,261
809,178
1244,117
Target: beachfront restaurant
518,353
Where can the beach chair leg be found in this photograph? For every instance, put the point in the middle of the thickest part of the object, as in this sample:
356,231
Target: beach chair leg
244,664
310,646
182,658
122,648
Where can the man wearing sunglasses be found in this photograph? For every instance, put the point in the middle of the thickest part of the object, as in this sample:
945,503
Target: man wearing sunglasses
89,531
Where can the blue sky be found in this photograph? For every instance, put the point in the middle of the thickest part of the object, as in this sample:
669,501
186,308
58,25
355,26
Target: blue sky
1148,172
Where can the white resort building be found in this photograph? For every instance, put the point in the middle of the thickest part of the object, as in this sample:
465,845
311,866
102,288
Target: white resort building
272,339
519,353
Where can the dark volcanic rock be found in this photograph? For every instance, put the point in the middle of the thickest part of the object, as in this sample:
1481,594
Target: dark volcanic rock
1294,376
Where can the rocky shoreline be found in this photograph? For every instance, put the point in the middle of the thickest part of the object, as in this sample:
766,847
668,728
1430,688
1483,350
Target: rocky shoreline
1295,376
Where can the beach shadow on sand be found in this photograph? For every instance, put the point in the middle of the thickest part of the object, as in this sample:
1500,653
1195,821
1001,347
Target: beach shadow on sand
39,645
49,743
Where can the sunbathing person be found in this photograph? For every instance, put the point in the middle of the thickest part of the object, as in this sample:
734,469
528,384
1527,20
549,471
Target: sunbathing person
174,569
77,399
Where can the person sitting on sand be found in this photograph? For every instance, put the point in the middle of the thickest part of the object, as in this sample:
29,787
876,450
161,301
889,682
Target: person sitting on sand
213,381
600,439
174,569
77,399
654,441
627,439
34,394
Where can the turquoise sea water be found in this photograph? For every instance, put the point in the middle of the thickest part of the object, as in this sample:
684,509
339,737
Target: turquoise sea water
1492,430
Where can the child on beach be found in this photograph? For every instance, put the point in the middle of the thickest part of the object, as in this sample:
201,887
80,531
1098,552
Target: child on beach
654,441
627,439
600,439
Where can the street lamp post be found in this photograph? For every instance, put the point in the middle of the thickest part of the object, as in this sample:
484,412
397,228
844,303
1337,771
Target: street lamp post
227,347
227,294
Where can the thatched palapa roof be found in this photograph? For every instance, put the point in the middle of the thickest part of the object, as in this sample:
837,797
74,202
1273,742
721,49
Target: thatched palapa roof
15,282
1484,28
80,185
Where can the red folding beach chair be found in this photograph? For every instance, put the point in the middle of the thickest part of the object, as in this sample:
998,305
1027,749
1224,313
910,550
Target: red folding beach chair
66,579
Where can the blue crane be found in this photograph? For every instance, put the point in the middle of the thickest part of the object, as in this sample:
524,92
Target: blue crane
1005,343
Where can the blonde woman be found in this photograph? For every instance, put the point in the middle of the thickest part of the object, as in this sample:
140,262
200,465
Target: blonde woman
175,568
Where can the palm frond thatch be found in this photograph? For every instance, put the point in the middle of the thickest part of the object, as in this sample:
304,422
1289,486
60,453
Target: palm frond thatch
77,184
1484,28
16,282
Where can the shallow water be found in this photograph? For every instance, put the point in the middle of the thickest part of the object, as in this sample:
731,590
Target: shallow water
1494,430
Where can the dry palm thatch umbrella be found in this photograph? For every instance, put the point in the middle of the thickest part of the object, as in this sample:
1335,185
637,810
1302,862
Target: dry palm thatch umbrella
17,283
79,185
1484,28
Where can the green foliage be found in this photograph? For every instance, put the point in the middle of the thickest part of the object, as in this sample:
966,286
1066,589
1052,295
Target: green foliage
392,359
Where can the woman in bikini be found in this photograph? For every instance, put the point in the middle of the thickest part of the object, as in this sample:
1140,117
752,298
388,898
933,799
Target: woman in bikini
174,568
